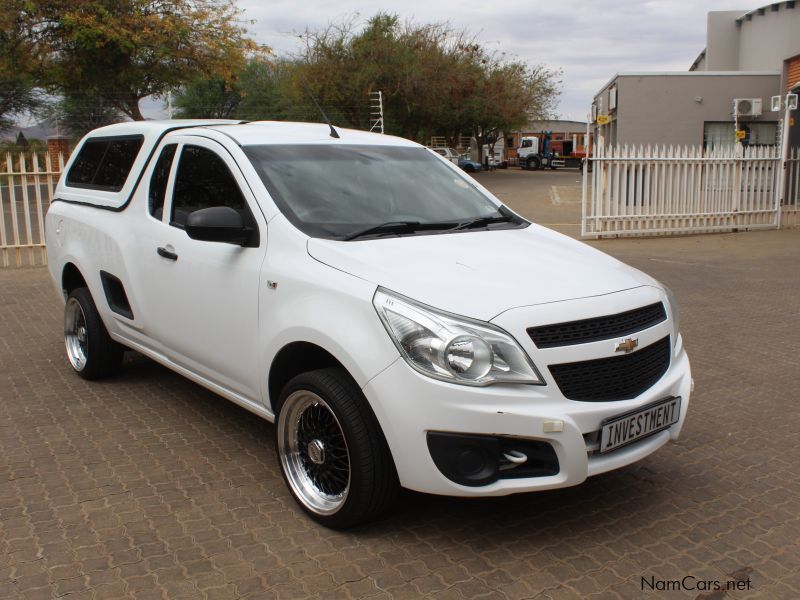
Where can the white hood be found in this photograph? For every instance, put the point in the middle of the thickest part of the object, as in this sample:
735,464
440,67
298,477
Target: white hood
483,273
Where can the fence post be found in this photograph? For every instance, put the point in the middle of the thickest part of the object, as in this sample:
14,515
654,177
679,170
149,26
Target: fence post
26,206
585,185
780,194
37,182
3,238
12,197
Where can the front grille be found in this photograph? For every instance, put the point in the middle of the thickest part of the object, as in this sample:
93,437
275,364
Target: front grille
613,378
597,328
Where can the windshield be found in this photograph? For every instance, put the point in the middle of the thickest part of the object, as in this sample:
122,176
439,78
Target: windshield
349,191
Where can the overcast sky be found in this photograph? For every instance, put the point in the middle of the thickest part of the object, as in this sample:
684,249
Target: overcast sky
590,40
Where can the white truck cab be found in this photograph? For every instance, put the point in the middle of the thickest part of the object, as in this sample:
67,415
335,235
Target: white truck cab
397,322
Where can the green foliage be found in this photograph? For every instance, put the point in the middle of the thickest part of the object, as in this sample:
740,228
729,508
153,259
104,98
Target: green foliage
124,50
263,88
207,98
257,92
435,80
18,94
507,96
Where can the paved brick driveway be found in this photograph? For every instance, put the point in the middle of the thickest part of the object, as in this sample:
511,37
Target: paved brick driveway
148,486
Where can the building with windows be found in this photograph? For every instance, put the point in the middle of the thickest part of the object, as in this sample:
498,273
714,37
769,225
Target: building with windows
749,57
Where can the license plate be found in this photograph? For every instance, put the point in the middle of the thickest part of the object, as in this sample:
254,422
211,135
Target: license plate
623,430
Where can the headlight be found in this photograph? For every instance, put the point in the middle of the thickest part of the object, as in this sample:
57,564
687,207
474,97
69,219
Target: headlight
453,348
674,312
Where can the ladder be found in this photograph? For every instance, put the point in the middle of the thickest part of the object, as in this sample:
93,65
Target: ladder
376,111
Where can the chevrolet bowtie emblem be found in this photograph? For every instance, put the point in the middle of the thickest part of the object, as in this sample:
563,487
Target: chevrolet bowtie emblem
626,345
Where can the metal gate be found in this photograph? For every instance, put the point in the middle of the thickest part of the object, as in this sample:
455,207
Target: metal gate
652,190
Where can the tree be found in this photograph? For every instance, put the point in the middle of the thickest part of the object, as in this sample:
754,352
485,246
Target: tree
207,98
509,94
124,50
18,94
435,79
411,64
257,92
264,90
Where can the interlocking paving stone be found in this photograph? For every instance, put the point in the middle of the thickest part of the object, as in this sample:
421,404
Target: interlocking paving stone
148,486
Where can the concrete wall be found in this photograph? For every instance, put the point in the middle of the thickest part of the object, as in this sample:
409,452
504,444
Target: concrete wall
662,108
766,40
722,42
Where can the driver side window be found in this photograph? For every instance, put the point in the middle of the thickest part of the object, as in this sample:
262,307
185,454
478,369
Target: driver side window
203,180
158,181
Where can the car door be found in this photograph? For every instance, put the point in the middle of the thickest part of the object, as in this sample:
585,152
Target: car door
204,295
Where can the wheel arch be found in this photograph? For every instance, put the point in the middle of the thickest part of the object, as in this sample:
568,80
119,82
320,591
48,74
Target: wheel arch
71,278
293,359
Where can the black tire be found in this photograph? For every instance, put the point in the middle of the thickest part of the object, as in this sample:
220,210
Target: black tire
534,164
469,169
372,483
93,354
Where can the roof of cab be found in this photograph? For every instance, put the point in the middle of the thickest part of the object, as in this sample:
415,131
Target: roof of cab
155,127
255,133
286,132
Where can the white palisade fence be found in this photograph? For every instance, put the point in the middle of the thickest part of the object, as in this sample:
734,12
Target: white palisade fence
27,183
654,190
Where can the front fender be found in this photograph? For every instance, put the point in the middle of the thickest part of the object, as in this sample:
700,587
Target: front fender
325,307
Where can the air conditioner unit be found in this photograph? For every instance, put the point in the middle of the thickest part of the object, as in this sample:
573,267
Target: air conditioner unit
747,107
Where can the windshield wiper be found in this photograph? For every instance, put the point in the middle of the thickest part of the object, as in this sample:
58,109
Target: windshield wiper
484,221
396,227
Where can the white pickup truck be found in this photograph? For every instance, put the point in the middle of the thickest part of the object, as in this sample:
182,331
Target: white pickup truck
400,325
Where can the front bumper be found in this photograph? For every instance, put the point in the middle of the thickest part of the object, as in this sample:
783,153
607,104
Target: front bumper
408,405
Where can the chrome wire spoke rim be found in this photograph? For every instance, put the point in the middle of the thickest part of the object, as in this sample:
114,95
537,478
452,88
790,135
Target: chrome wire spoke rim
314,453
76,336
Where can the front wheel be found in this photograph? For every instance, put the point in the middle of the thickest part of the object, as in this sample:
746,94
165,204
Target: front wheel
534,164
90,350
331,451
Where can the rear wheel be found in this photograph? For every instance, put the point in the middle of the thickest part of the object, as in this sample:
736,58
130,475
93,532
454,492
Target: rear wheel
90,350
331,450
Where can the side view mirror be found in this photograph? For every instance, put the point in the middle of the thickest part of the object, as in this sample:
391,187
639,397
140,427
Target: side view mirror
218,224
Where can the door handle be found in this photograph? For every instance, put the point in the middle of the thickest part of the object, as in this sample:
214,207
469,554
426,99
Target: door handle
167,253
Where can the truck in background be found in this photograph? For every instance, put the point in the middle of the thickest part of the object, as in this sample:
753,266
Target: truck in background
493,156
540,152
